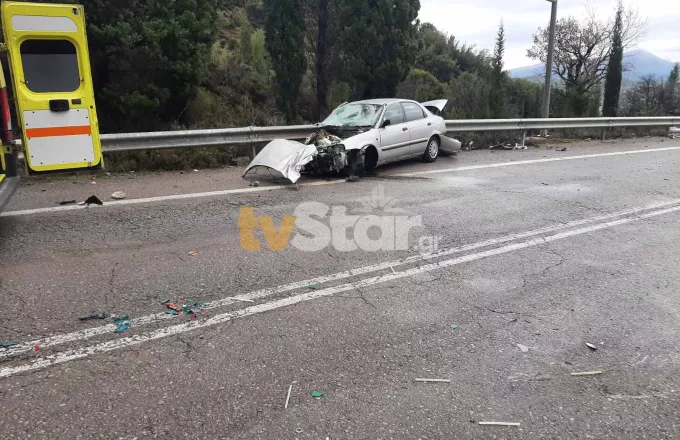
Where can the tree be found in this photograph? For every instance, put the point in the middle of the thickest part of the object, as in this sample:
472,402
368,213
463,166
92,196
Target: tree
376,44
497,96
582,50
148,59
671,103
421,86
285,30
612,88
320,38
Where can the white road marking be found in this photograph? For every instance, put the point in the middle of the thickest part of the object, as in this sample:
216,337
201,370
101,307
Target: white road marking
533,161
332,182
115,344
259,294
161,199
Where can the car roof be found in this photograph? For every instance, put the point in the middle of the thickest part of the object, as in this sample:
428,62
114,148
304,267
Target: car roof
382,101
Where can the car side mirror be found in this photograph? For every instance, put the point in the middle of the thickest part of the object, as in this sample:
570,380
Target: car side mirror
385,123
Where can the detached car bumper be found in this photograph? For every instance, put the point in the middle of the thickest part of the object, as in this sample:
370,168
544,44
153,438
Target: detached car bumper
7,187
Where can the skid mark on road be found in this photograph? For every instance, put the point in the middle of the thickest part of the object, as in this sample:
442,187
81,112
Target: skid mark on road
80,353
332,182
262,293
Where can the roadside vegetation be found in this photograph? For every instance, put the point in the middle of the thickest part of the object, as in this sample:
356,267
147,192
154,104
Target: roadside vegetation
194,64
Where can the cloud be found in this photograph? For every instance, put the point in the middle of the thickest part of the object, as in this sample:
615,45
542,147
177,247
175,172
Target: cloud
476,22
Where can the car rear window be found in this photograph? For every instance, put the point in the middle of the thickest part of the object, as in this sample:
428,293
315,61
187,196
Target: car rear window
50,66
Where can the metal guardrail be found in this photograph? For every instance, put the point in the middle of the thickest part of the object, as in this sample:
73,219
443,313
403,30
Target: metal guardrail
253,135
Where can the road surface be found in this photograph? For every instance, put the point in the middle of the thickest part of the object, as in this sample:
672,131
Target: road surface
546,249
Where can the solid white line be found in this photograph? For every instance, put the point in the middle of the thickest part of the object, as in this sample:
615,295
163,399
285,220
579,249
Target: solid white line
533,161
332,182
262,293
115,344
161,199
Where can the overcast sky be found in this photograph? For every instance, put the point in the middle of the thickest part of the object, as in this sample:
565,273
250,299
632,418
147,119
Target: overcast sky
476,22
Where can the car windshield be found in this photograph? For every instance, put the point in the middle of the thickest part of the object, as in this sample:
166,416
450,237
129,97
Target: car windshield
354,115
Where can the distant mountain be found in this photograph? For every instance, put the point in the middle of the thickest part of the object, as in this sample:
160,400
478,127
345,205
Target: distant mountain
640,61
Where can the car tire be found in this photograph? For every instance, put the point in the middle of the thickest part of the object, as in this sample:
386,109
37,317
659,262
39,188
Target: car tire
432,151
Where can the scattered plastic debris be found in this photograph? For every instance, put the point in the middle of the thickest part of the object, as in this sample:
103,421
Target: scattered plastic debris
36,348
298,430
500,423
67,202
93,317
313,286
433,380
352,179
93,200
561,149
290,388
255,184
122,328
118,195
192,253
524,348
318,394
454,326
81,203
182,307
591,346
587,373
122,320
7,344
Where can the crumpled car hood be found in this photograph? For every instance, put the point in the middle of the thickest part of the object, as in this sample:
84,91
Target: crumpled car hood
282,158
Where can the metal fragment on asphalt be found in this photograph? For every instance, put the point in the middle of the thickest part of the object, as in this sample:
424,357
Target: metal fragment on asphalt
433,380
587,373
524,348
290,388
591,346
500,423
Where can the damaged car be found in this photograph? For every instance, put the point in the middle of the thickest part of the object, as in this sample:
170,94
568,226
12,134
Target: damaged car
359,136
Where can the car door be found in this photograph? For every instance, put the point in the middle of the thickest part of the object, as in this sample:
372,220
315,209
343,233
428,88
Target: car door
395,137
419,126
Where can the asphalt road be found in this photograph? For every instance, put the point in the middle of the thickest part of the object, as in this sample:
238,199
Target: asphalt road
550,250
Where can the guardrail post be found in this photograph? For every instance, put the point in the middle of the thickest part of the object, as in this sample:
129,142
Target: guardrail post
604,134
524,137
253,151
668,131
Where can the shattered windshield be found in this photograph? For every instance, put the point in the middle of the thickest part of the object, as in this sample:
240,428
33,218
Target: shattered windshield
354,115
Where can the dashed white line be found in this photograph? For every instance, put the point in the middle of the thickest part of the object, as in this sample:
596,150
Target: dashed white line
80,353
259,294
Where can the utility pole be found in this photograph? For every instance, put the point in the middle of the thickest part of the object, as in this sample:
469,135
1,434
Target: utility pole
549,63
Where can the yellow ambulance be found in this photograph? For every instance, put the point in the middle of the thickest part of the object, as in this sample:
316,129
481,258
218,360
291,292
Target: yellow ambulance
56,119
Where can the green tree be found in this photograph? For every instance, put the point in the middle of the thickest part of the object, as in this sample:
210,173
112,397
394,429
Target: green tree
377,44
497,96
285,30
421,86
148,59
612,87
671,101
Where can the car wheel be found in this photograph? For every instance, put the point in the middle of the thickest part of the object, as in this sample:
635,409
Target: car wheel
432,151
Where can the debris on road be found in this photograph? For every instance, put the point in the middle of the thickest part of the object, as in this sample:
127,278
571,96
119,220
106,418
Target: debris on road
122,328
118,195
587,373
454,326
524,348
122,320
182,307
353,179
290,388
93,317
561,149
255,184
67,202
313,286
500,423
433,380
36,348
591,346
317,394
93,200
8,344
192,253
